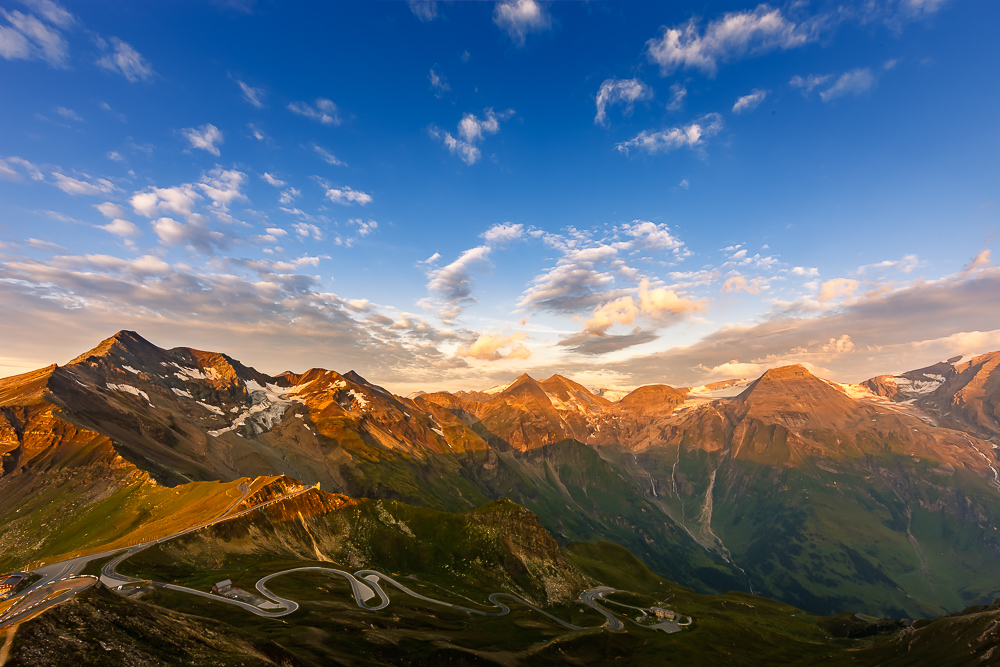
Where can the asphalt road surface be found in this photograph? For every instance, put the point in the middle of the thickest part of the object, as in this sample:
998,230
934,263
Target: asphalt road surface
41,598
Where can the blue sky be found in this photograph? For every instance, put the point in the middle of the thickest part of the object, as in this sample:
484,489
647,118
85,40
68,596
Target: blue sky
446,194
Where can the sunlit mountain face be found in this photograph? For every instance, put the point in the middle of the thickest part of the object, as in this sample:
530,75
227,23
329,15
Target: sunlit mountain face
577,310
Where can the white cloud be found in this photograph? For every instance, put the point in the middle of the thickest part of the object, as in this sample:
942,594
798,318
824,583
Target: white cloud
503,233
115,156
904,265
121,227
205,137
327,156
685,184
223,186
619,91
750,102
254,96
31,39
472,130
658,304
9,171
271,180
810,82
39,244
69,113
425,10
86,186
490,347
52,12
855,82
111,210
520,17
652,237
193,233
838,288
677,94
348,196
690,135
126,61
179,199
438,83
306,230
453,282
918,8
324,111
364,228
289,196
733,36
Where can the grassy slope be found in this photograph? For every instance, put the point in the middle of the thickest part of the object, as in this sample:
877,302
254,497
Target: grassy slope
67,519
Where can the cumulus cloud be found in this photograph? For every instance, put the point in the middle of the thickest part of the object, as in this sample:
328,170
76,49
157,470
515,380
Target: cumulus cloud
125,60
111,210
179,199
503,233
324,111
205,137
305,230
664,141
740,284
471,131
885,330
585,274
121,227
347,196
269,303
194,233
453,282
495,347
619,91
520,17
838,288
735,35
223,187
749,102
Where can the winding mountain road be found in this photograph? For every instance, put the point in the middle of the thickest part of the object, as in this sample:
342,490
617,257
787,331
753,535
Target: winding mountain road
365,584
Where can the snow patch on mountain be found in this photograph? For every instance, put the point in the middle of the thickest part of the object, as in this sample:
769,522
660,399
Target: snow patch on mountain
194,373
852,390
210,408
128,389
359,399
181,392
268,404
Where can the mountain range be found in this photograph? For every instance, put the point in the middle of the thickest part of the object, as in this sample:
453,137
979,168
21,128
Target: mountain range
881,497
